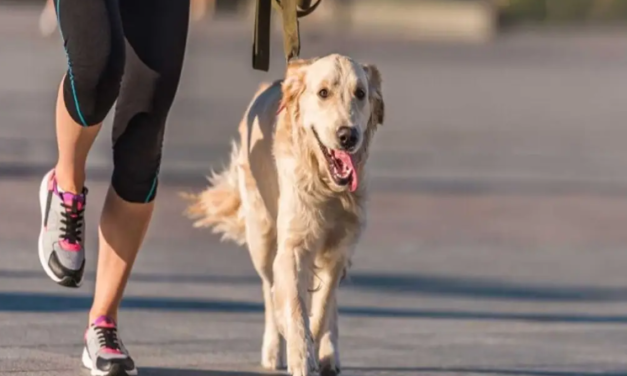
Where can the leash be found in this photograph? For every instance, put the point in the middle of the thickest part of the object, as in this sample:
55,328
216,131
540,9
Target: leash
291,11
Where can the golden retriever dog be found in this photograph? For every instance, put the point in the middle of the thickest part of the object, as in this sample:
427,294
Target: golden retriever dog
294,193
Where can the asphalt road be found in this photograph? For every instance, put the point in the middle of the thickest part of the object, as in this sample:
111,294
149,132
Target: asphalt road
496,244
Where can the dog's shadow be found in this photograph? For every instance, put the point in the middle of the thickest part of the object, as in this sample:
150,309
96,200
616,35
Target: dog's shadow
196,372
391,370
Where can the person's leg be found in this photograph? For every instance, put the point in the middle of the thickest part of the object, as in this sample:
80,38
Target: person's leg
94,45
198,9
157,33
48,19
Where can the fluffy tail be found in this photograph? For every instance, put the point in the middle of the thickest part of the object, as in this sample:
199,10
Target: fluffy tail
219,206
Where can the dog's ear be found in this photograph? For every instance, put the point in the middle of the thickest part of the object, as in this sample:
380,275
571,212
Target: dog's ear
294,82
376,94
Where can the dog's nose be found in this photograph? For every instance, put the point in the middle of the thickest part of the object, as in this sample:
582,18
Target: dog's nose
348,137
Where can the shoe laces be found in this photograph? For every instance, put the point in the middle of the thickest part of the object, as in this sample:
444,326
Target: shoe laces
108,338
72,220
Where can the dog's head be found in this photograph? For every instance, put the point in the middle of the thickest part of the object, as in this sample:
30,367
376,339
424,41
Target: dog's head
337,103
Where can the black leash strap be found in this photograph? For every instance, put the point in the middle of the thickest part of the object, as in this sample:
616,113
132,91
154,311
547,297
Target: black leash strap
291,11
261,42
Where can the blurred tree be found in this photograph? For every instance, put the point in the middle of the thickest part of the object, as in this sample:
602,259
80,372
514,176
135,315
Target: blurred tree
568,10
601,8
609,10
560,11
230,7
515,11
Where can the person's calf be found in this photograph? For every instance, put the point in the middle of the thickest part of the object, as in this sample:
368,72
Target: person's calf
123,226
74,142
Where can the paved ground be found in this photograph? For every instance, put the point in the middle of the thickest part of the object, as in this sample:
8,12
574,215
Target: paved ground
496,245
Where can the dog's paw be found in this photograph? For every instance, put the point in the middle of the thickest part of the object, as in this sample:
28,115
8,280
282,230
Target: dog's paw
312,358
307,368
329,370
272,364
329,366
329,356
305,365
304,372
272,356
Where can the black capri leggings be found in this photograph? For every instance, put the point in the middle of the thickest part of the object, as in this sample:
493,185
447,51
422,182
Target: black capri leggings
143,75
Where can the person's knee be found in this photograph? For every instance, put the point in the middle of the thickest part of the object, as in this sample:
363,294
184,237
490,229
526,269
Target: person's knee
136,185
137,180
138,129
92,84
137,159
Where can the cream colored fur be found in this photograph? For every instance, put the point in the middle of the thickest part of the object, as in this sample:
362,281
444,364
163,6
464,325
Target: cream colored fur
277,197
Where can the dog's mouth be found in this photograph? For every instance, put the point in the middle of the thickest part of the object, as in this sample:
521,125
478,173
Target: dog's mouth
340,165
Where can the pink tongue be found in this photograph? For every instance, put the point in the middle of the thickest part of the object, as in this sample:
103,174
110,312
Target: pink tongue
347,161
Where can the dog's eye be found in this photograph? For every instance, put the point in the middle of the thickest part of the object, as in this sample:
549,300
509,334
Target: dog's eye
360,94
324,93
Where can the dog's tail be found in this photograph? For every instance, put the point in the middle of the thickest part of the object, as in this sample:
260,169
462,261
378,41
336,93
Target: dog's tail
219,206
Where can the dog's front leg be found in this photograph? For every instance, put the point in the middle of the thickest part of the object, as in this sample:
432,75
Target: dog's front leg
329,351
292,266
324,326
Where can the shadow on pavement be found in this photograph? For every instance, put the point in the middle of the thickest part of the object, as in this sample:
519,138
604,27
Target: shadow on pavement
482,371
150,277
40,302
459,186
478,288
193,372
395,370
427,285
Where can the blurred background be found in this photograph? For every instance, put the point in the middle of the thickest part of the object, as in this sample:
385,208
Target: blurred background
496,240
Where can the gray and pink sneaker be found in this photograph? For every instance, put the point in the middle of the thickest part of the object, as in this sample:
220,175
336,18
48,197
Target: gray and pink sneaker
104,353
61,239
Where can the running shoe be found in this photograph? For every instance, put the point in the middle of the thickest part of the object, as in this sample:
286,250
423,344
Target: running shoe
61,239
104,353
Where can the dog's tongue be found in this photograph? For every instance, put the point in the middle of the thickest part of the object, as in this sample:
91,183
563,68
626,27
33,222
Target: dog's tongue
347,161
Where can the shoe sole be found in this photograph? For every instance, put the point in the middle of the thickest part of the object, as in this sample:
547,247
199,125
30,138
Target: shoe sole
43,197
116,369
